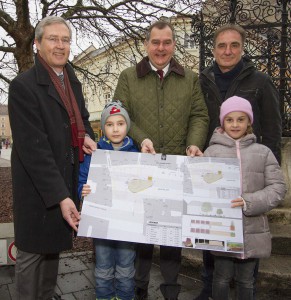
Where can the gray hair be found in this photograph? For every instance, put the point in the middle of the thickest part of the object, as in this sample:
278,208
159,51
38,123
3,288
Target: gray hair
161,24
228,27
49,21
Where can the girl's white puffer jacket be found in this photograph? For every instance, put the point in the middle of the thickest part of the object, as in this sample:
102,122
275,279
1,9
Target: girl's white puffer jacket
263,186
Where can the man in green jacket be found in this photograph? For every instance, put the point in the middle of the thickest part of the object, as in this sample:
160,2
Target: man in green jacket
168,115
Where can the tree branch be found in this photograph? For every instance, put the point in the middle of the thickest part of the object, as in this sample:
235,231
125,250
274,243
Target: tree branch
4,78
7,49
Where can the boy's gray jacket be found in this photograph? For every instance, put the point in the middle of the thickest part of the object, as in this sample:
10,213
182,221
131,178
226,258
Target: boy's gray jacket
171,113
263,187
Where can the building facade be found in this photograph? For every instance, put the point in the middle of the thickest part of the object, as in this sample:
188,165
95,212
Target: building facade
5,130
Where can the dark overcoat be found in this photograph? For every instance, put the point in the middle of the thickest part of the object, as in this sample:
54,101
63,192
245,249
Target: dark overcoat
41,163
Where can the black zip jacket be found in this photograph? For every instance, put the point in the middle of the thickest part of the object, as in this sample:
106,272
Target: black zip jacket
259,89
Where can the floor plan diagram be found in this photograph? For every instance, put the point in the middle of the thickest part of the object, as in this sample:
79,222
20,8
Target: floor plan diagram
163,199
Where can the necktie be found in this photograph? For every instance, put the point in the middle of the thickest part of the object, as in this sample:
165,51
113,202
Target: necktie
61,76
161,74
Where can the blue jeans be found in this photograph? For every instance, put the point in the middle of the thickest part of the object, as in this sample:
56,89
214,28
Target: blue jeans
227,268
114,269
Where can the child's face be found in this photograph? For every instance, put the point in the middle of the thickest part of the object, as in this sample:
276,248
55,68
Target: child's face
115,129
235,124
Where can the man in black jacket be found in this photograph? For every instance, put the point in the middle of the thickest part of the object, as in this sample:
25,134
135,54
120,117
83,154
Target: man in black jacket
231,74
51,129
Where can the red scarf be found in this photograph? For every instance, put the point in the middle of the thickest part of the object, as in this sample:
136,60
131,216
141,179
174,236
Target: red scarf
69,101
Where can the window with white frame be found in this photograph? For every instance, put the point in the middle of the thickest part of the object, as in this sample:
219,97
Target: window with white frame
189,41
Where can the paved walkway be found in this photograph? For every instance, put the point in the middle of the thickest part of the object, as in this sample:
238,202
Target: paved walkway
76,280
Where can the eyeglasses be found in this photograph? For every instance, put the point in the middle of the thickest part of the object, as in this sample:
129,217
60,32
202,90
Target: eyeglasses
56,41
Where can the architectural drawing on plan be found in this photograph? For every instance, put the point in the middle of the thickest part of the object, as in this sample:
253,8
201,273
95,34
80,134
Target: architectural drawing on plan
164,200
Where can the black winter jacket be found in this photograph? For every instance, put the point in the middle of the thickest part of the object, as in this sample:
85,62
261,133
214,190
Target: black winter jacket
42,172
256,87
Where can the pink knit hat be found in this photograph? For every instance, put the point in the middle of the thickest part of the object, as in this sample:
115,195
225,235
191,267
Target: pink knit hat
235,103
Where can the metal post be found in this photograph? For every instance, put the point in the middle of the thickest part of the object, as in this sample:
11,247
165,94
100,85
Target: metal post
232,8
283,57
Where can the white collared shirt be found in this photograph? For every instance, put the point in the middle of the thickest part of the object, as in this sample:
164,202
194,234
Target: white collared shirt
165,69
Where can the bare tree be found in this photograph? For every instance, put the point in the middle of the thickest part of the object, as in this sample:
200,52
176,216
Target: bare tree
100,21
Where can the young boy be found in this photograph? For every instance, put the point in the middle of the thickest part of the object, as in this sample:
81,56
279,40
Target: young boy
114,266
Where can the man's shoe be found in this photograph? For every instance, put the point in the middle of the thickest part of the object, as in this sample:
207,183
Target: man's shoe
140,294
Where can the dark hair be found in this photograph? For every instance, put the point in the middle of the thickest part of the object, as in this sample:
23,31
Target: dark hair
161,24
228,27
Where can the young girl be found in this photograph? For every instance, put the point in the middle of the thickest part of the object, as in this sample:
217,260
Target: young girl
262,188
114,266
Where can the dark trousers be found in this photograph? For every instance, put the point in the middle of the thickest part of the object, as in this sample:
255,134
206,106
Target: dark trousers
207,275
228,269
35,275
170,262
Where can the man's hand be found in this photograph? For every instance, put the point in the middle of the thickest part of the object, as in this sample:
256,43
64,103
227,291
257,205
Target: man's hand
89,145
70,213
193,151
147,146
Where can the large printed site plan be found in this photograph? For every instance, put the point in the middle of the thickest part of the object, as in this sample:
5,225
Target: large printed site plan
164,200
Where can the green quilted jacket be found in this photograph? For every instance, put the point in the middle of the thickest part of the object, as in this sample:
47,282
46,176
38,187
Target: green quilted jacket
171,113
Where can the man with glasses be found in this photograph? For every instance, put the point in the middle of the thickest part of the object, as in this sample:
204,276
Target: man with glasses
51,132
168,115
